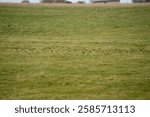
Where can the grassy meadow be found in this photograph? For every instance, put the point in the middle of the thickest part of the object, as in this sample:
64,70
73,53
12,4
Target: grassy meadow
74,52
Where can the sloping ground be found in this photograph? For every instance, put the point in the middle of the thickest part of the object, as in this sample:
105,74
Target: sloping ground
90,52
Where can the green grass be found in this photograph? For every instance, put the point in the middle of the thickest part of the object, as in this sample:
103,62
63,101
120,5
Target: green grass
100,52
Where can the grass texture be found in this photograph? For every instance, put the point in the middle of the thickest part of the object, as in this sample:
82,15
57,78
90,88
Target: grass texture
59,52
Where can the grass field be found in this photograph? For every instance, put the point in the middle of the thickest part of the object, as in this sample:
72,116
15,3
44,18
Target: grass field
74,52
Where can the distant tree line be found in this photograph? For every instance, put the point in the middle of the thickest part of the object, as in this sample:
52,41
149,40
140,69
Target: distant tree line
25,1
53,1
141,0
63,1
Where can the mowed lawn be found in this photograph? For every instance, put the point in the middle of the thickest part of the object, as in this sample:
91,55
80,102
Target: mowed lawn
74,52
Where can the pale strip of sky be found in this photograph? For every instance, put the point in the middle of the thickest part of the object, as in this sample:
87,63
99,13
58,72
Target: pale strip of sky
18,1
37,1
